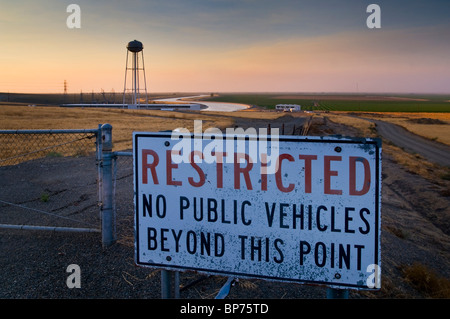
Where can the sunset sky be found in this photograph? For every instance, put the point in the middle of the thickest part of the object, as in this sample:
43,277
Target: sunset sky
227,45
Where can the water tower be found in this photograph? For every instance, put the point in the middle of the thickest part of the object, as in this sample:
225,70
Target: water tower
132,97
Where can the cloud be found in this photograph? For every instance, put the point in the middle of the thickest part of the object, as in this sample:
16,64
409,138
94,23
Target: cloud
387,60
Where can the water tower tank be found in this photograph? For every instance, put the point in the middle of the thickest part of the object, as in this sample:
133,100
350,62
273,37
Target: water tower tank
136,67
135,46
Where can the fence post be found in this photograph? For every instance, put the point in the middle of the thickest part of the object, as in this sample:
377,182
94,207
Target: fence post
167,278
107,213
166,284
98,162
333,293
98,142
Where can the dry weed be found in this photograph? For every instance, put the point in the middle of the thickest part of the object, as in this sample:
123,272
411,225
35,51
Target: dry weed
427,281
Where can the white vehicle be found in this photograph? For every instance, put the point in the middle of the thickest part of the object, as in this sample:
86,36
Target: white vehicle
288,107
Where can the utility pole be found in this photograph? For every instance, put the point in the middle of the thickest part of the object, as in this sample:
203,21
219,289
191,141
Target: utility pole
65,91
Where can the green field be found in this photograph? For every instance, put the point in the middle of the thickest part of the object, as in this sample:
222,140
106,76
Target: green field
334,102
319,101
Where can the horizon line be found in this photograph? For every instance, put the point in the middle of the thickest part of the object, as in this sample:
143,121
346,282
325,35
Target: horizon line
241,92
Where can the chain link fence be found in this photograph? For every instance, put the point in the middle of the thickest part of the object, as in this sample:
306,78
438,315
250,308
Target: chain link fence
123,197
66,180
49,179
24,145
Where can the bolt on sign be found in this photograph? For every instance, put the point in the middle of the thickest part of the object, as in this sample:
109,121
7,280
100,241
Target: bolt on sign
292,209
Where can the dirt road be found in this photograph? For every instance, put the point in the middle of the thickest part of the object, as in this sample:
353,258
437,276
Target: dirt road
433,151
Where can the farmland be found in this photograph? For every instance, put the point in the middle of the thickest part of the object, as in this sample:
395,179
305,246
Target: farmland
344,102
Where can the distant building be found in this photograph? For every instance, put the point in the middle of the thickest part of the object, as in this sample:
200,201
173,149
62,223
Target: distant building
288,107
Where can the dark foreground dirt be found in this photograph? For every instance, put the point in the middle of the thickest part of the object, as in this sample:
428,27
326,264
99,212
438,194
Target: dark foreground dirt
415,229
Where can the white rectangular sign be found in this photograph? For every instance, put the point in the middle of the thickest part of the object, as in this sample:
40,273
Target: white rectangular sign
295,209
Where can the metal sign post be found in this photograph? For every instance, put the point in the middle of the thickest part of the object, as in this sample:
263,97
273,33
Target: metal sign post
107,212
293,209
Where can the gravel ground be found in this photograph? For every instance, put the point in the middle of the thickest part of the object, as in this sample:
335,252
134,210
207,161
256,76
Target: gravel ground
415,228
